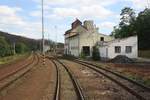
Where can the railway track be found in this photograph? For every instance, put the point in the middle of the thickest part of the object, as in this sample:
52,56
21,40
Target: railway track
57,88
13,75
77,88
138,90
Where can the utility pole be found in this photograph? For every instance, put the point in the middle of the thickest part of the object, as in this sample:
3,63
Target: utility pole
42,28
14,48
56,39
148,4
49,42
43,52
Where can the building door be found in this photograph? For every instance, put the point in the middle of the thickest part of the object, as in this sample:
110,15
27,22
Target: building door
86,50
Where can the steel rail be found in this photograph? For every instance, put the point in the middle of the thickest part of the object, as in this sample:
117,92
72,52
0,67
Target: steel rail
76,85
119,75
97,69
57,88
14,72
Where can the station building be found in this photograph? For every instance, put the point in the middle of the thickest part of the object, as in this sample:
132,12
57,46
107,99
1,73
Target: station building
82,37
125,46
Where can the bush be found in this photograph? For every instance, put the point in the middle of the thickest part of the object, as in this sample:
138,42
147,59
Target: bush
5,48
95,53
69,57
21,48
82,55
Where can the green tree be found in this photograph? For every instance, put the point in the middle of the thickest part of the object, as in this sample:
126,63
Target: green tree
127,16
126,26
143,29
5,48
21,48
82,55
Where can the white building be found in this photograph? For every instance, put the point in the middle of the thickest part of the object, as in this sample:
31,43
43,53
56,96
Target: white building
82,38
127,46
46,48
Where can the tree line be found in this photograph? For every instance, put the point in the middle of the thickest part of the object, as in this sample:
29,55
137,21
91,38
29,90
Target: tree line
7,49
134,24
11,44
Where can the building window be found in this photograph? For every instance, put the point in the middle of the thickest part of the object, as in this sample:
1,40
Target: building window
117,49
102,38
128,49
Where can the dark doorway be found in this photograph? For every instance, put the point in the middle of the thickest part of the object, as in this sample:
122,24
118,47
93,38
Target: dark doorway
102,38
86,50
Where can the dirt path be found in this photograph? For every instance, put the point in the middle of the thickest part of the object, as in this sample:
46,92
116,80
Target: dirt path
33,86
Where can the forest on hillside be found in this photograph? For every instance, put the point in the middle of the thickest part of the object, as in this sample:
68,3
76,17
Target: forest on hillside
21,44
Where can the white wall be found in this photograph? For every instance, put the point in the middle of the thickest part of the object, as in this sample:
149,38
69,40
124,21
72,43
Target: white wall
73,46
46,48
131,41
87,40
90,39
103,52
66,46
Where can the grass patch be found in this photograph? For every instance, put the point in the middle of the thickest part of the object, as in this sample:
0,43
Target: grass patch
146,82
9,59
140,80
144,53
71,57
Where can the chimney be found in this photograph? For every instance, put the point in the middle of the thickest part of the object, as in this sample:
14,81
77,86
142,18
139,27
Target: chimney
89,24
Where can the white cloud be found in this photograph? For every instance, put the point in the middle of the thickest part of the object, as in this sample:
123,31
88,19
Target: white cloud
94,11
65,12
75,8
36,13
8,11
107,25
8,15
139,4
77,2
12,22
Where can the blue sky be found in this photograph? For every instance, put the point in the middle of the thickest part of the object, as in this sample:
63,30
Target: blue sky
23,17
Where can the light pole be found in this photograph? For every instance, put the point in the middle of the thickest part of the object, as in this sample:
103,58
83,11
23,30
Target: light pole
43,52
42,28
14,48
56,40
148,4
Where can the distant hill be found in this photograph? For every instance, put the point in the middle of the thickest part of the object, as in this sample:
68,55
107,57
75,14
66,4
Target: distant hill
33,44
